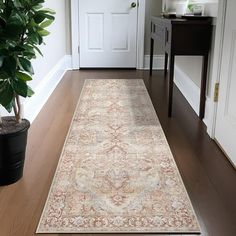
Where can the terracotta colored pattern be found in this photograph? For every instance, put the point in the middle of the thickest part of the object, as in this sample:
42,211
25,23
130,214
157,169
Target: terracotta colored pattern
116,172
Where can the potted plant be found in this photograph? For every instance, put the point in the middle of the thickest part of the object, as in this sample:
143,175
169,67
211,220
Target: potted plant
22,29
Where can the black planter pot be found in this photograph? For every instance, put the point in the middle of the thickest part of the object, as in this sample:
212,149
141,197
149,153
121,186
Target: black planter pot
12,154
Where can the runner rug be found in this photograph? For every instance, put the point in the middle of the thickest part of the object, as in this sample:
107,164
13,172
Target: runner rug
116,173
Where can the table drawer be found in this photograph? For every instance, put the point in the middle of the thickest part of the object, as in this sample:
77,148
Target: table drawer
158,30
161,32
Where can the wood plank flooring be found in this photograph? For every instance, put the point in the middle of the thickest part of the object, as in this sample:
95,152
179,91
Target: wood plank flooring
208,176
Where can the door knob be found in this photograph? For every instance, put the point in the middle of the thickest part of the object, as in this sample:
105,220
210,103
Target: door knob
133,4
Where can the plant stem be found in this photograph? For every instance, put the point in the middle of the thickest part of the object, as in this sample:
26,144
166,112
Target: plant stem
0,120
17,109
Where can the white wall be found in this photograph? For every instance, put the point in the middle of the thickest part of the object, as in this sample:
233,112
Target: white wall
153,8
68,27
55,47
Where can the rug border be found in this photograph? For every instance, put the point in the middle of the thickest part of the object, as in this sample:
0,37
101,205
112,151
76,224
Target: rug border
180,233
114,232
59,160
194,213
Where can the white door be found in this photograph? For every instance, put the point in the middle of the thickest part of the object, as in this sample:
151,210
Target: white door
108,33
226,114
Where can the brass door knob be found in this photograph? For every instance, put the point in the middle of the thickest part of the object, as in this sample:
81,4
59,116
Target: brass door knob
133,4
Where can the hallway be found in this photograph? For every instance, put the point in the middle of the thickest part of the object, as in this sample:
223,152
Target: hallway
207,174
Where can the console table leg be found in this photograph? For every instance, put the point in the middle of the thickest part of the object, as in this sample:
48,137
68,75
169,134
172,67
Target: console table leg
166,64
151,55
203,87
171,84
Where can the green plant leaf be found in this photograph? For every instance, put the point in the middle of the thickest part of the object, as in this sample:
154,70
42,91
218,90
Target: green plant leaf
17,3
6,94
46,23
15,24
40,39
3,76
4,52
29,55
11,43
9,65
37,7
20,87
1,61
48,10
38,50
15,19
26,65
30,92
50,17
29,48
2,22
41,16
44,14
37,2
18,48
43,33
10,106
33,38
29,52
23,76
190,7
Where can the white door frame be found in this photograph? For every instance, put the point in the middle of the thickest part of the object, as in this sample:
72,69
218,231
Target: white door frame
75,34
217,61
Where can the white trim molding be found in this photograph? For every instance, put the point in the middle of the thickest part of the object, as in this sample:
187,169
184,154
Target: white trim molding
141,34
191,92
216,70
158,62
75,34
188,88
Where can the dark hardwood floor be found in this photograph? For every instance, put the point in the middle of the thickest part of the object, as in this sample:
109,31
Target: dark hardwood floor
208,176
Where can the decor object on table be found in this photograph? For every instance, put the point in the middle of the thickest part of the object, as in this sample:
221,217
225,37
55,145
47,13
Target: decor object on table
22,28
178,7
196,9
116,173
181,8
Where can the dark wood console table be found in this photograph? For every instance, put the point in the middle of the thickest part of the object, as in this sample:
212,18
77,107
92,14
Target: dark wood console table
182,37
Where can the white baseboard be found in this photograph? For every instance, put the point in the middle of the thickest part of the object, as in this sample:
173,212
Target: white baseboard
190,91
68,62
158,62
33,105
186,86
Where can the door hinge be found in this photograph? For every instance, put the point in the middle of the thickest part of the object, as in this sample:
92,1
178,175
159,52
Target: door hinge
78,49
216,92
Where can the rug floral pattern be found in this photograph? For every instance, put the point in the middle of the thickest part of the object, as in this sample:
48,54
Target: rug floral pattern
116,172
